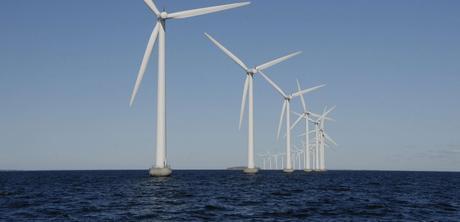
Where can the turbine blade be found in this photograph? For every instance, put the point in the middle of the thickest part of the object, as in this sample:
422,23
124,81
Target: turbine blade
325,113
276,61
202,11
296,122
281,120
229,54
298,114
302,99
312,120
243,100
152,7
276,87
307,90
309,132
145,61
329,138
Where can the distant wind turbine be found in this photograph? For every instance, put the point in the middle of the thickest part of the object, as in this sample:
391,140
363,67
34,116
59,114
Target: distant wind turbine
161,168
287,107
308,159
323,137
248,92
319,150
306,116
269,156
264,158
297,157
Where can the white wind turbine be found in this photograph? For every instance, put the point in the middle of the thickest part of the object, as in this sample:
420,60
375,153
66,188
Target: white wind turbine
161,168
323,137
275,157
263,161
248,92
318,139
306,116
297,157
282,159
269,156
307,157
287,107
264,158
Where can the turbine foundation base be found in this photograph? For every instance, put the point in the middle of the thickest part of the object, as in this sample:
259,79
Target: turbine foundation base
250,170
308,171
288,170
160,172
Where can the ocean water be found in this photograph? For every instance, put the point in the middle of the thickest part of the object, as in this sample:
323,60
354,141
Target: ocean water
213,195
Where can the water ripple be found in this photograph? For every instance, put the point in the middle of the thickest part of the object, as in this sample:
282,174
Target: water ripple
229,195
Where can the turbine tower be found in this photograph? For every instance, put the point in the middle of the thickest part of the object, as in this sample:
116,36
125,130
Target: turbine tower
287,107
161,168
248,92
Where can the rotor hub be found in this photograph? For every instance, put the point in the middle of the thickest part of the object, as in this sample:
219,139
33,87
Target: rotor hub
163,15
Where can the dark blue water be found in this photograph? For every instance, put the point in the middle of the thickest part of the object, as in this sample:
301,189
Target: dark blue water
229,195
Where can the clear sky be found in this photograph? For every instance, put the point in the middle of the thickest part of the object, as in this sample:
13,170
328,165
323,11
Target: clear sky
67,69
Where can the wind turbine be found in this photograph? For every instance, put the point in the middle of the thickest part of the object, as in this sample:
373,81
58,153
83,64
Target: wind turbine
298,154
306,116
282,159
319,141
323,137
275,157
248,92
264,158
287,107
269,156
307,157
161,168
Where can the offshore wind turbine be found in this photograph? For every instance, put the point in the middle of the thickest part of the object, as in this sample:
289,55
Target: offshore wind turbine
269,156
287,107
248,92
323,137
264,158
307,160
306,116
161,168
298,154
263,161
318,139
275,157
282,160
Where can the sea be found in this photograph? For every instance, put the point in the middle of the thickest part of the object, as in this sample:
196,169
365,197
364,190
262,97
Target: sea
229,195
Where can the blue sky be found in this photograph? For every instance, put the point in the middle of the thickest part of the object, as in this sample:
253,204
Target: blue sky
67,69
